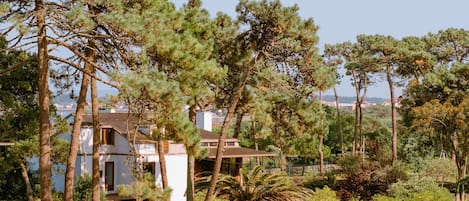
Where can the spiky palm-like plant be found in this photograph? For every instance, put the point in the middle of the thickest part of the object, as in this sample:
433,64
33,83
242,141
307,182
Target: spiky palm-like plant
255,185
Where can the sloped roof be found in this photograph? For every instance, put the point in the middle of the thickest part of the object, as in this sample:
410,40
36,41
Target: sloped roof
207,136
118,121
235,152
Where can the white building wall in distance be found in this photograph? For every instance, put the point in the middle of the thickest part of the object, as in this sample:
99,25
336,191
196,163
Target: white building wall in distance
203,120
177,175
86,140
146,148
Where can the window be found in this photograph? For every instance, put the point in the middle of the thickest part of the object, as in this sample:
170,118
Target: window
109,176
204,144
149,167
229,144
107,136
213,144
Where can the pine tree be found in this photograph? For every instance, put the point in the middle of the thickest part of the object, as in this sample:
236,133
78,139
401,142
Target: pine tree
274,41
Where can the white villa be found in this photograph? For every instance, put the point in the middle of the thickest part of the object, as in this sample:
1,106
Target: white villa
115,153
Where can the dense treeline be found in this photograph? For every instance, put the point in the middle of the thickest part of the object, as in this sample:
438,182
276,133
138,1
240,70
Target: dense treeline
264,63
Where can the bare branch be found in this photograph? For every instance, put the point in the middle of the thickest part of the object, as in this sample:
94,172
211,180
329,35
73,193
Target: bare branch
78,53
82,70
22,45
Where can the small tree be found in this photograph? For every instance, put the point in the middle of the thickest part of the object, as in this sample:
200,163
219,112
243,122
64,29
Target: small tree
255,185
144,189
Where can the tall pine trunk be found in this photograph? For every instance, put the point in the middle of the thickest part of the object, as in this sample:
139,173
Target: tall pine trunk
339,121
164,175
461,163
76,128
237,128
321,141
356,124
226,124
45,164
27,184
362,138
190,177
393,113
191,160
96,137
321,154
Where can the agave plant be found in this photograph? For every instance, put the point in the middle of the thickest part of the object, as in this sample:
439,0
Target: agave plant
255,185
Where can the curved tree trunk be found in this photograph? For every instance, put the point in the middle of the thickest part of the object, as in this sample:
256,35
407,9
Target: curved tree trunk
76,128
96,138
45,164
339,121
237,128
27,184
393,112
226,124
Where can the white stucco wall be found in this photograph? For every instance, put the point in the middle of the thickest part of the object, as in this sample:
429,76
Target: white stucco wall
176,162
146,148
204,120
177,175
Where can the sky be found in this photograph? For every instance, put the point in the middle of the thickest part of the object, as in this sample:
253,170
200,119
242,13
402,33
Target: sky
343,20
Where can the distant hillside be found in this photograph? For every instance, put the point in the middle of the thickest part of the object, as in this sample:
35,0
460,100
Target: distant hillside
351,99
65,99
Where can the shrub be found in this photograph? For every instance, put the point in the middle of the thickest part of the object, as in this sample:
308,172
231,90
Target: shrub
349,164
384,198
440,169
144,189
83,188
419,188
200,196
313,181
325,194
364,183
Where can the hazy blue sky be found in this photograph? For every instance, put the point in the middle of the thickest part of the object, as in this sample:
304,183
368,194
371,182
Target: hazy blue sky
342,20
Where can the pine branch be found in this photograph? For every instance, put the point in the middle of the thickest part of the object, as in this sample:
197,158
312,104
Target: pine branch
16,66
82,70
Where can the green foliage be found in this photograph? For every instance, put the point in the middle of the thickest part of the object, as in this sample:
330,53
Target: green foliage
324,194
19,121
416,148
200,196
419,188
332,139
380,197
83,188
144,189
11,184
257,186
315,182
440,169
349,164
